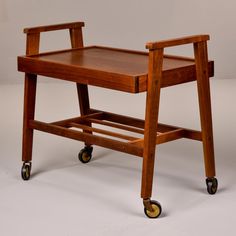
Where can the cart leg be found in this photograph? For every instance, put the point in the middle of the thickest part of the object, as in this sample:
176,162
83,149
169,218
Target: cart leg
82,90
85,154
29,110
76,37
201,57
151,117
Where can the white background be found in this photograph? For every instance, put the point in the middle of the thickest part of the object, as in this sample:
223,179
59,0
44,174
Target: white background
65,197
123,23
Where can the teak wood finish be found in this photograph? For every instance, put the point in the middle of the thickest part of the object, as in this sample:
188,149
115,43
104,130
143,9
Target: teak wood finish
123,70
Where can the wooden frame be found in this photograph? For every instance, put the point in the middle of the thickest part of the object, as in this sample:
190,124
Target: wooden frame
157,73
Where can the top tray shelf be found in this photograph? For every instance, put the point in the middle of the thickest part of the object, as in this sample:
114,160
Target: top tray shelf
118,69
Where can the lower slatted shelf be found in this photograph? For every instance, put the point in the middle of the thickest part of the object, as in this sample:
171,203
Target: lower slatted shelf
81,128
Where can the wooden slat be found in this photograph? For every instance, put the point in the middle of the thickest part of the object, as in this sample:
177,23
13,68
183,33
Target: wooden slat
126,123
138,142
187,133
162,137
139,123
116,125
169,136
101,131
87,138
65,123
121,119
193,134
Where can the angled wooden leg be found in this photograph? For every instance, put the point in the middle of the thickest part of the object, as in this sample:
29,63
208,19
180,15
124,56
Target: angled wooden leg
76,37
151,117
201,57
29,110
83,96
152,208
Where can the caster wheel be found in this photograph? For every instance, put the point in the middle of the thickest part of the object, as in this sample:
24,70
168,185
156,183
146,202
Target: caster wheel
156,206
212,185
25,170
85,154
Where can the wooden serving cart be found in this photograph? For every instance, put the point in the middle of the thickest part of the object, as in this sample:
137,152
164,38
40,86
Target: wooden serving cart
127,71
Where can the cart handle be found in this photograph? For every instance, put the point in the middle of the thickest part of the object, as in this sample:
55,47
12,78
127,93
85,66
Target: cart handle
33,35
46,28
177,41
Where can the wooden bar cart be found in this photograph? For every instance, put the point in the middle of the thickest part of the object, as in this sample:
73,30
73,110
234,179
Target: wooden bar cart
127,71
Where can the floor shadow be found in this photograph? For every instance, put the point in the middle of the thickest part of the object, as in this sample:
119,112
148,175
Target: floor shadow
49,164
